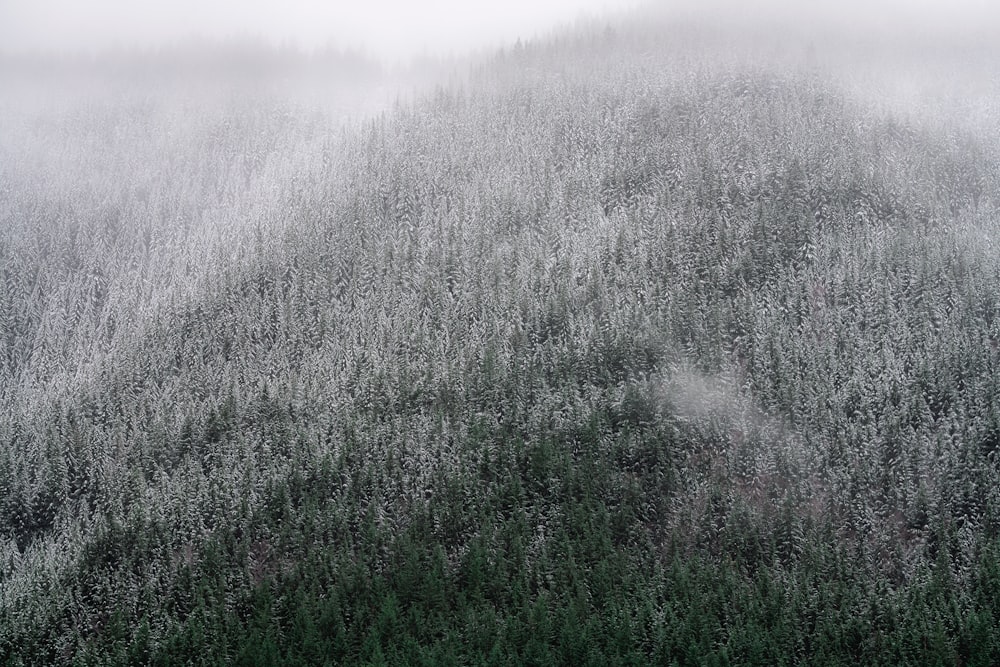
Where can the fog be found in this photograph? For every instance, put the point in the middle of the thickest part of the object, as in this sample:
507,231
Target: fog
391,30
397,30
888,15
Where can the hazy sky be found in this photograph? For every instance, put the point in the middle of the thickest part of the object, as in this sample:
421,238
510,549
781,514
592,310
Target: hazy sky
397,29
390,29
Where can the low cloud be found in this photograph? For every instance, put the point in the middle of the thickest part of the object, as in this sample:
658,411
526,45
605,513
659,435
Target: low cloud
388,29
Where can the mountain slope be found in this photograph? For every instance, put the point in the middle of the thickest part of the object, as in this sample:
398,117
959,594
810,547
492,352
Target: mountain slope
601,358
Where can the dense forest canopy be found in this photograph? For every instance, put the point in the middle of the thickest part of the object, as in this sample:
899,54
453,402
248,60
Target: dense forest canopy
645,342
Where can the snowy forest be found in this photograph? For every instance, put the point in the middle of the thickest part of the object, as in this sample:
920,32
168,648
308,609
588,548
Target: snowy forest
648,341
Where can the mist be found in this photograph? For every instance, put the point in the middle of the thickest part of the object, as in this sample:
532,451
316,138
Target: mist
390,30
396,31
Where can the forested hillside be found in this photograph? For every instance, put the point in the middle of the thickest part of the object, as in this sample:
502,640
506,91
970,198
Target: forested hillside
619,353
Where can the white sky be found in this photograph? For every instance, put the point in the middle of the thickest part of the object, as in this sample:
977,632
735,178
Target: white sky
398,29
390,29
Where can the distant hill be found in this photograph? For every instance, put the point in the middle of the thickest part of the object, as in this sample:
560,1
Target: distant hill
627,350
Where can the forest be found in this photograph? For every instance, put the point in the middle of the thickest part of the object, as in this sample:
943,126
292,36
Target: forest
637,343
